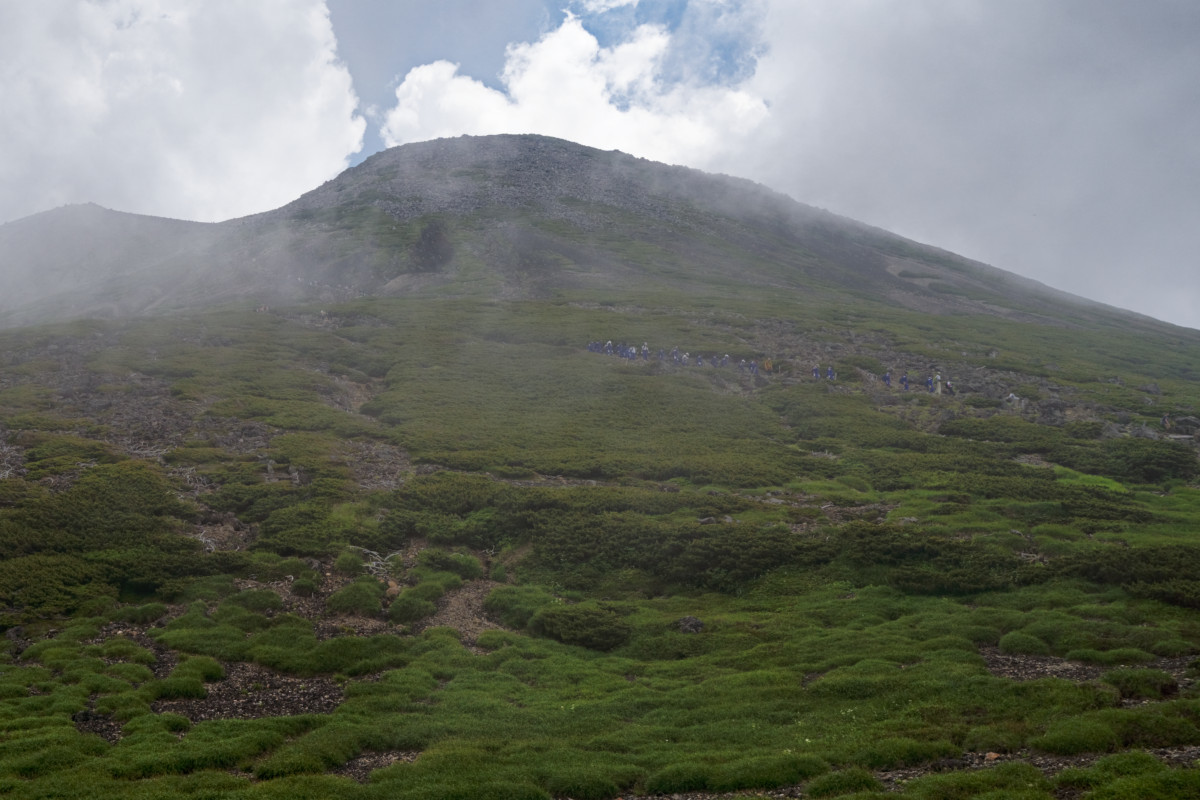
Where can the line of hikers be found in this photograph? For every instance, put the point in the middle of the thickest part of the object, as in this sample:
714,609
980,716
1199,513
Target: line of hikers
933,383
686,359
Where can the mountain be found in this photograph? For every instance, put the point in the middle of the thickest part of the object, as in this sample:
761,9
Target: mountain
354,499
500,216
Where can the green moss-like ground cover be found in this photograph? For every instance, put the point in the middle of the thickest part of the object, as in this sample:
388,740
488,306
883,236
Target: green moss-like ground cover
850,552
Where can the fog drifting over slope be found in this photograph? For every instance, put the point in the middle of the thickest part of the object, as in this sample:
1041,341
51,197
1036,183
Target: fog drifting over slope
1056,140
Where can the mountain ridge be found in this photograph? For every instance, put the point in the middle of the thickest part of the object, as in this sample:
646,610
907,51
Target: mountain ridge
507,215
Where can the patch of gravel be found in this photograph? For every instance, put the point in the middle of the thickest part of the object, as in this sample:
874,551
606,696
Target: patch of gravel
462,609
251,691
361,767
1019,667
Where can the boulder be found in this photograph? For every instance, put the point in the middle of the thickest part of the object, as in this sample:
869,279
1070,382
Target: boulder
1186,425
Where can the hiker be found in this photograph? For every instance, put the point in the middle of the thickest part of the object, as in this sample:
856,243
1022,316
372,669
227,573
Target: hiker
904,380
768,365
949,387
1166,422
817,372
829,373
929,384
725,360
887,379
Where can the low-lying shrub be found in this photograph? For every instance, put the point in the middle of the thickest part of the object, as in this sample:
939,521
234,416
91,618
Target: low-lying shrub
363,596
583,625
408,608
846,781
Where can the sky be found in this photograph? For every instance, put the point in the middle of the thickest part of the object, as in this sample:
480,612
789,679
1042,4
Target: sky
1057,139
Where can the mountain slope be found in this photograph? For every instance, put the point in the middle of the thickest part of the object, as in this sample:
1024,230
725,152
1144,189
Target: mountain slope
502,216
426,538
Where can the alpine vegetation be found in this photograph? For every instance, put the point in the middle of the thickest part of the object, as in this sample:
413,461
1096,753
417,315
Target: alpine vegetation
504,467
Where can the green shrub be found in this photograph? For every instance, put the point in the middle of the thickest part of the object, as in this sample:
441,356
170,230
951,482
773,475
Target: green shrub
202,667
1011,781
408,608
364,596
441,582
1172,648
765,772
131,673
583,784
126,650
1163,785
465,566
677,778
897,752
349,562
1019,643
583,625
1128,655
844,781
1077,735
1108,768
993,738
140,615
514,606
1148,460
304,587
1151,726
1141,683
178,688
257,600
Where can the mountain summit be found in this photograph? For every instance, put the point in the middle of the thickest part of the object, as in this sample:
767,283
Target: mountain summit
505,216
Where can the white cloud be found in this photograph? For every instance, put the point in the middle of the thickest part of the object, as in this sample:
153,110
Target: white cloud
601,6
193,110
567,85
1054,140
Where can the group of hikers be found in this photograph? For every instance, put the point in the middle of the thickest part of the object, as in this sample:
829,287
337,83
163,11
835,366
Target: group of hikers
675,356
933,383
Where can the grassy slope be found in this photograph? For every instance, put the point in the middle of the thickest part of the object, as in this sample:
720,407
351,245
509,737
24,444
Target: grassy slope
878,541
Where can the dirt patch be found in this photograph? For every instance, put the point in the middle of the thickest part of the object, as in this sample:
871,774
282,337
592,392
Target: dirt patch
1029,667
361,767
462,609
375,465
102,725
251,691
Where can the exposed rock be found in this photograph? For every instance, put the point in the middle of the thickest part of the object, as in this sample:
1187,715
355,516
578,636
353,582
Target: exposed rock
1111,431
1185,425
690,625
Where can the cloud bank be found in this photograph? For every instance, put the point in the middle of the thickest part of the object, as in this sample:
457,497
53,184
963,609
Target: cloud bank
566,84
202,111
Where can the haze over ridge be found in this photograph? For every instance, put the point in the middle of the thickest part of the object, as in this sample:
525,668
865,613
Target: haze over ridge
520,216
